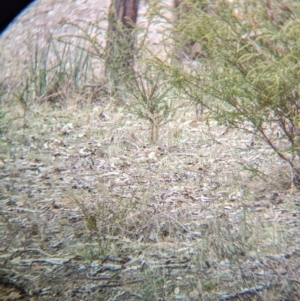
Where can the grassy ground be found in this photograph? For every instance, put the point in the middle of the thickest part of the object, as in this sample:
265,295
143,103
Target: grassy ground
89,210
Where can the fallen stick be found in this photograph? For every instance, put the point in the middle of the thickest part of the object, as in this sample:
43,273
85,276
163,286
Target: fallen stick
246,291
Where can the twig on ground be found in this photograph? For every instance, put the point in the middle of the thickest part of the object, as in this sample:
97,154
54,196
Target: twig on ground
32,250
120,283
52,261
245,292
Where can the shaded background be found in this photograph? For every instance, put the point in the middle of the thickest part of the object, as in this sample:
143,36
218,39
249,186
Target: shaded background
9,9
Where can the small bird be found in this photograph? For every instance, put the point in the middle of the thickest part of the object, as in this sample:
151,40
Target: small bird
273,196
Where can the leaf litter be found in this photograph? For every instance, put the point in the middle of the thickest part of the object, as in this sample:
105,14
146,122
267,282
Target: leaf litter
91,210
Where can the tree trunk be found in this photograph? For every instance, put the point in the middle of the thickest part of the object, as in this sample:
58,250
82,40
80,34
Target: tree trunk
120,43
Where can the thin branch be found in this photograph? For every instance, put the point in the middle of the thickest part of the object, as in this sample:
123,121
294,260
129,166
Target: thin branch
247,291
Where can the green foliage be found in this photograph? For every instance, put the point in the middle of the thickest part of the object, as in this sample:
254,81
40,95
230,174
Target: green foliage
86,48
94,228
153,95
3,123
249,76
43,79
120,47
57,69
129,66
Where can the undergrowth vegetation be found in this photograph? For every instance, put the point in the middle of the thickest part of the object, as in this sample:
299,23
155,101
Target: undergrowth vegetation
250,69
109,179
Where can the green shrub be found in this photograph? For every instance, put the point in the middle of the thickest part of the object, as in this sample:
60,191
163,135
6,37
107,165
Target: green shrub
153,96
249,75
